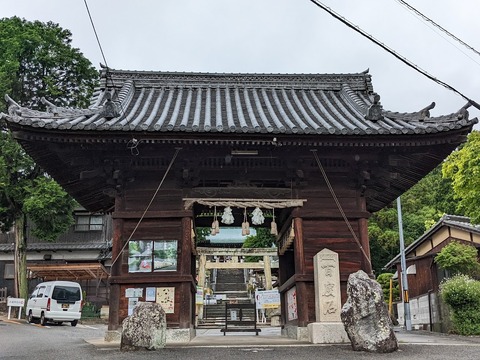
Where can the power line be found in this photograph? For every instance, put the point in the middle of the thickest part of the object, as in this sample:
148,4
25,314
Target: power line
95,31
393,52
426,18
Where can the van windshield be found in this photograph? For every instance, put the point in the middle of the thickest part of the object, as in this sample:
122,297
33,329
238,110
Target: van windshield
66,293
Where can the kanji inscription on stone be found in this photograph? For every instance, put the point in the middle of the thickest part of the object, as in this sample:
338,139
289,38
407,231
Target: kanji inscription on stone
327,286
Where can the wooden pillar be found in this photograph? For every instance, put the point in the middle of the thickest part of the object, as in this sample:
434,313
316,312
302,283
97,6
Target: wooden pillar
267,269
299,254
187,300
363,237
186,247
202,263
115,270
186,306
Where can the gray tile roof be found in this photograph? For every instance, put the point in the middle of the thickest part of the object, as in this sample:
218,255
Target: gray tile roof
159,102
453,221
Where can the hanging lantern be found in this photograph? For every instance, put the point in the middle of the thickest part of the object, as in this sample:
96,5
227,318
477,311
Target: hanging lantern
245,224
273,225
227,217
257,216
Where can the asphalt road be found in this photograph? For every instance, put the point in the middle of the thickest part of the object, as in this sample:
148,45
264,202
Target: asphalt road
19,340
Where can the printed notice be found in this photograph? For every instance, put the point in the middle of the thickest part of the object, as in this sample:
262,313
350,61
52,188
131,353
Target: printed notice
166,298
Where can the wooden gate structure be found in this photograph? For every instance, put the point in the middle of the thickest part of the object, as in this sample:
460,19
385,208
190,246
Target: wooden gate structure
155,146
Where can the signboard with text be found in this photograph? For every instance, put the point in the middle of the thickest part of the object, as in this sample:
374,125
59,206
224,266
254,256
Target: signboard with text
267,299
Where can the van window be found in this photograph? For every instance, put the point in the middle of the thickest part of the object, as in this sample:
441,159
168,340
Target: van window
40,292
34,293
66,293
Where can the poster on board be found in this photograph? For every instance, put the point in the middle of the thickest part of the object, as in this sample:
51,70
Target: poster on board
292,304
166,298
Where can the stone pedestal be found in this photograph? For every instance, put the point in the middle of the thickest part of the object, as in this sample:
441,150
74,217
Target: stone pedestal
329,328
327,333
113,335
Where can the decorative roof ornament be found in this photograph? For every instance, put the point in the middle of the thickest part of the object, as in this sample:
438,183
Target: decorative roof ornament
374,112
425,113
110,108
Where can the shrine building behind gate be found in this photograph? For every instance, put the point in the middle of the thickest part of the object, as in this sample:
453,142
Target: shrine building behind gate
157,149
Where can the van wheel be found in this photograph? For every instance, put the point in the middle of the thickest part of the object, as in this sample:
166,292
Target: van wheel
30,317
74,322
43,321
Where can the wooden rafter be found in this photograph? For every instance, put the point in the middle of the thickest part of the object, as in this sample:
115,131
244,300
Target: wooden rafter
77,271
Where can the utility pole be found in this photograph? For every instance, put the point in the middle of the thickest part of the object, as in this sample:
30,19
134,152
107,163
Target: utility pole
403,263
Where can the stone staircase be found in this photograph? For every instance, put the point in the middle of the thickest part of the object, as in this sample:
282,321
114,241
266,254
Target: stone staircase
231,284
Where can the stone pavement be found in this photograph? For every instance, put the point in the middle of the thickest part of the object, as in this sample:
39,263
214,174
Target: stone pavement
271,337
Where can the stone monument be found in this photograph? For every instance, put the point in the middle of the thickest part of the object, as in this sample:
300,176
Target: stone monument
328,328
145,329
366,317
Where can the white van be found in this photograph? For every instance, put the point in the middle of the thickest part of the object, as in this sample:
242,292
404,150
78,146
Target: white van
56,301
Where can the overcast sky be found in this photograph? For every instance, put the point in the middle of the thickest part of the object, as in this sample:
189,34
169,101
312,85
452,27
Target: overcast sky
282,36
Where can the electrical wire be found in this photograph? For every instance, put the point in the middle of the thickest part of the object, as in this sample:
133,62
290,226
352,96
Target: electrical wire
177,150
426,18
443,36
96,35
393,52
340,208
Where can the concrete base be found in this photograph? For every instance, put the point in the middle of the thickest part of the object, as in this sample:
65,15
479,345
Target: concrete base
113,335
173,336
275,320
327,333
180,336
295,332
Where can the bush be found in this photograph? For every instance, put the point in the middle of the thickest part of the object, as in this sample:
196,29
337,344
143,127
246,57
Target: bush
384,281
459,258
462,294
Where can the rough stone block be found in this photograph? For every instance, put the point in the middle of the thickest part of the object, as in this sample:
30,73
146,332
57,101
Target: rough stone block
145,329
365,316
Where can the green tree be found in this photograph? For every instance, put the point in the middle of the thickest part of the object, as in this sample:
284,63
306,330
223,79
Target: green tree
36,60
384,281
462,294
422,206
463,168
458,258
201,234
262,239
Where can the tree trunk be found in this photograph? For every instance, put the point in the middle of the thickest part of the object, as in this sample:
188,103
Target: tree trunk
21,282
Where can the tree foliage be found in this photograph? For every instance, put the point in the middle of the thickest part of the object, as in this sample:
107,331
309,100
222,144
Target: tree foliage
36,60
458,258
384,281
422,206
462,294
262,239
452,188
463,168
